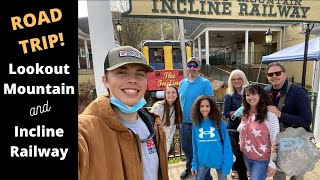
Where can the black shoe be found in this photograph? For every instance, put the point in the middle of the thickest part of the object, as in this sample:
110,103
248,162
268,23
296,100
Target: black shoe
185,174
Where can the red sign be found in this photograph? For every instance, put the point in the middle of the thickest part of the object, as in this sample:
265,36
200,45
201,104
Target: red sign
159,79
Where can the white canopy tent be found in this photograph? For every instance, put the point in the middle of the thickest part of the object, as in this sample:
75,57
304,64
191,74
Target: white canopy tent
296,53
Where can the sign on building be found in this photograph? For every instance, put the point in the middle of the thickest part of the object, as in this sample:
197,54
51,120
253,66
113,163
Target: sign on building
233,10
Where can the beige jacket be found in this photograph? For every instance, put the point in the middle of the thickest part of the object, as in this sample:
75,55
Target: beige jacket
108,150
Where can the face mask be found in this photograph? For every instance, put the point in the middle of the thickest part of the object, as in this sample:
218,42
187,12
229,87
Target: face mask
128,109
238,113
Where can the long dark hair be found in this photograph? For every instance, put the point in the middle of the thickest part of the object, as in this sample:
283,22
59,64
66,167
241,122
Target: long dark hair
176,105
264,101
214,114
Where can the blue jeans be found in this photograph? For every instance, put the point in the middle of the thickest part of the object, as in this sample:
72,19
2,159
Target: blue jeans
203,171
186,144
257,169
239,165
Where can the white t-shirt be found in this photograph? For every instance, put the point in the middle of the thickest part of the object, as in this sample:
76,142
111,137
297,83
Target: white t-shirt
158,109
150,157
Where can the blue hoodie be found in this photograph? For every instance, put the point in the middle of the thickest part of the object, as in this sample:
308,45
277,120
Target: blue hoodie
208,149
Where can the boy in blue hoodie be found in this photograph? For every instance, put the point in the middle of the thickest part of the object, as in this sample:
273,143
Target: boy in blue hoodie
210,140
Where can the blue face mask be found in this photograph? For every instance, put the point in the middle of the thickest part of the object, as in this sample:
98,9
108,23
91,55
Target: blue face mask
128,109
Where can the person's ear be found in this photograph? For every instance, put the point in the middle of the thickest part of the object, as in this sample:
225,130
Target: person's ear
105,81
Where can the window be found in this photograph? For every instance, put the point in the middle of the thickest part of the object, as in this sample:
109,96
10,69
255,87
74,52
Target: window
156,58
177,59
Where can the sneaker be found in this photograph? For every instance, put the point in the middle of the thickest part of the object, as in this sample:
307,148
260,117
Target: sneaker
185,174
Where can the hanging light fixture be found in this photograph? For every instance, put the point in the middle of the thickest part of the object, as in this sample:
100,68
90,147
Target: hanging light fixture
269,37
221,37
119,29
268,40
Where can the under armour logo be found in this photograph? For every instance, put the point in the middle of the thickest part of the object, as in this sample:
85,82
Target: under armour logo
207,132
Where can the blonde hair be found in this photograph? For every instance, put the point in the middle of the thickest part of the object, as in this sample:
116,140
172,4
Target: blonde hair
230,90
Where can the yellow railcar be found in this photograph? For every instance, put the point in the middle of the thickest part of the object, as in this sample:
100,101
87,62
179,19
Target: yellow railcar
165,58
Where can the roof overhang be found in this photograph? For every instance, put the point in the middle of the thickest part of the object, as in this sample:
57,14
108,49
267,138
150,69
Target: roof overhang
216,26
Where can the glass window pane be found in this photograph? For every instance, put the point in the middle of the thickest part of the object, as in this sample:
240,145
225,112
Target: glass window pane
156,58
177,59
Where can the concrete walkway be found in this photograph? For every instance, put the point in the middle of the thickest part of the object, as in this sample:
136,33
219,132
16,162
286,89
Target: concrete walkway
176,169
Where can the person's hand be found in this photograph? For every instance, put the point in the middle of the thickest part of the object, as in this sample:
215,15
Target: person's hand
274,147
194,172
275,110
271,171
273,156
232,117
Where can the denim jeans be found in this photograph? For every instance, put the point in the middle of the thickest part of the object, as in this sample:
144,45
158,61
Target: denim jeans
239,165
203,171
257,169
186,144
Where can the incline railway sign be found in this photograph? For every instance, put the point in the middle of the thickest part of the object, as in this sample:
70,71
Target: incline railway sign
232,10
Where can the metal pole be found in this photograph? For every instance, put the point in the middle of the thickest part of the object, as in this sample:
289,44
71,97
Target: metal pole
183,48
305,56
120,38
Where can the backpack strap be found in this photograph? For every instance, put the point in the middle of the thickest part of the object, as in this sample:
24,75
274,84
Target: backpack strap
283,98
147,118
280,105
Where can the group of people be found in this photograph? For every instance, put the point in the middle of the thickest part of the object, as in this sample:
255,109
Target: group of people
118,138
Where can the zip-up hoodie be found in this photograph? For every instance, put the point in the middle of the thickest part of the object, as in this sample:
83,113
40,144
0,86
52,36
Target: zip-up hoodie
109,150
208,148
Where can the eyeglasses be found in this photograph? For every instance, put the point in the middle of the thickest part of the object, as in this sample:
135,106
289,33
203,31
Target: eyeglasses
192,65
236,79
274,73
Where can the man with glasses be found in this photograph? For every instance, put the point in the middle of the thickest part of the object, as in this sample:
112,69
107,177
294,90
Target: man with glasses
291,104
117,139
190,89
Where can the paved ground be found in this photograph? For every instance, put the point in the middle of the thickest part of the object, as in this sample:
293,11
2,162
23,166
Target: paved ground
176,169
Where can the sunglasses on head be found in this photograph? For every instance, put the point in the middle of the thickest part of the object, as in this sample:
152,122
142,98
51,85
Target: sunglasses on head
274,73
192,65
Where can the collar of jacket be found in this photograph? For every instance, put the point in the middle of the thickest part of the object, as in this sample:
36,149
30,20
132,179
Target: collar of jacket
106,113
283,90
236,95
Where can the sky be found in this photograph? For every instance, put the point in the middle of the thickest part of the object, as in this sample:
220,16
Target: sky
82,8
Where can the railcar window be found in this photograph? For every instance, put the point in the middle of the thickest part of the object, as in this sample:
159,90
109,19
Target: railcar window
177,59
156,58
